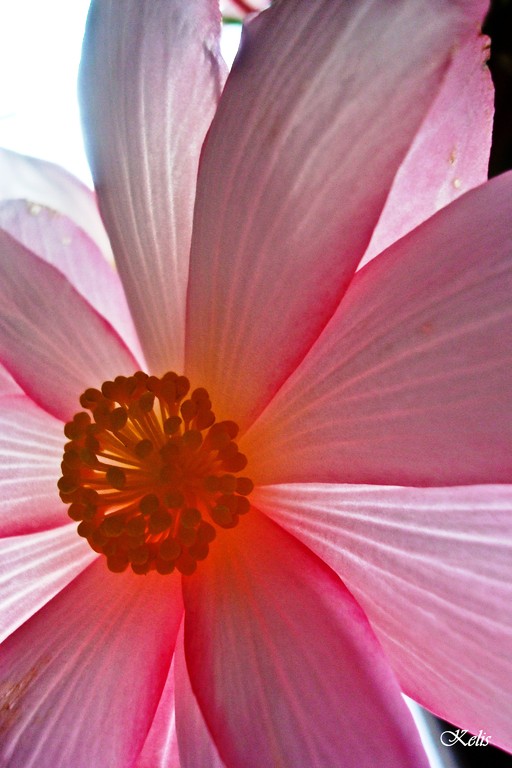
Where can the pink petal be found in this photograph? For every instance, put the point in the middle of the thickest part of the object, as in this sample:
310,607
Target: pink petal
178,705
7,384
196,747
410,383
57,240
31,445
151,77
51,340
239,9
28,178
432,568
283,663
450,153
160,749
319,110
82,678
36,567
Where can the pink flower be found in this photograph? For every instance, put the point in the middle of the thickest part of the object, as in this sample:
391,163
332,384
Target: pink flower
239,9
372,404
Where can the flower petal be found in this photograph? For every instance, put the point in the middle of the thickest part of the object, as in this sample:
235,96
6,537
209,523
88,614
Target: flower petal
7,384
51,340
178,711
31,443
319,110
197,749
160,749
151,76
34,568
450,153
82,677
283,663
58,241
410,383
239,9
28,178
432,568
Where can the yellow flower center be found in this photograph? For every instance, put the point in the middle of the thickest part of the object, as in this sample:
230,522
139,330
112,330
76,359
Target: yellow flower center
151,476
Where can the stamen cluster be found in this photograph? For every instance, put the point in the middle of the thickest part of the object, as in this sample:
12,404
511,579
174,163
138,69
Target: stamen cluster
149,475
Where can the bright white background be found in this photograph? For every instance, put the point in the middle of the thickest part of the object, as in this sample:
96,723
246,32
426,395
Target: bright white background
40,42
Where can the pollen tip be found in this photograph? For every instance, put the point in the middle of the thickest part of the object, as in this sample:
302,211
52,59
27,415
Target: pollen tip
116,478
143,448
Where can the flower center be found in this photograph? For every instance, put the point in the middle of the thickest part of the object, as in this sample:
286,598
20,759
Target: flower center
151,476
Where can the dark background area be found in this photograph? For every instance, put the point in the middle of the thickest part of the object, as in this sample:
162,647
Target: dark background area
498,26
475,757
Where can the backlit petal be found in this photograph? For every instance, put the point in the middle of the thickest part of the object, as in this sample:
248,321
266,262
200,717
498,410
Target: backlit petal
432,569
160,749
150,79
317,115
410,383
197,749
239,9
59,241
450,153
31,442
52,341
82,678
7,384
34,568
28,178
283,663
